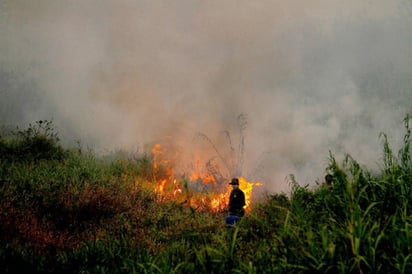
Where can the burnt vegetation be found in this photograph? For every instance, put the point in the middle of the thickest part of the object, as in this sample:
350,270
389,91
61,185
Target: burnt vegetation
69,211
227,163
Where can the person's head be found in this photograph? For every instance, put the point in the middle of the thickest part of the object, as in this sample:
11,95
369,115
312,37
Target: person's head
234,183
329,179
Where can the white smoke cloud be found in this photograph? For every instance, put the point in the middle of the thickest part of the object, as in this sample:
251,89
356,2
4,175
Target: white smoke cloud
311,76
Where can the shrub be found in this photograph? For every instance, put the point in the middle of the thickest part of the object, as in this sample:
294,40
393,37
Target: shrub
39,141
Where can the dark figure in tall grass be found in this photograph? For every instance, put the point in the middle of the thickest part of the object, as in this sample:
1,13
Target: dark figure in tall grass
237,199
328,181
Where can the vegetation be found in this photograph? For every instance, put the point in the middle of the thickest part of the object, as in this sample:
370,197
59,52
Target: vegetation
67,211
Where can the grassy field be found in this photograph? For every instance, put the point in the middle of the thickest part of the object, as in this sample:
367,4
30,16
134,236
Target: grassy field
69,211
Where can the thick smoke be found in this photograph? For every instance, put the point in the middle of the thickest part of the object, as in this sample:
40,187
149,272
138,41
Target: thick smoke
308,77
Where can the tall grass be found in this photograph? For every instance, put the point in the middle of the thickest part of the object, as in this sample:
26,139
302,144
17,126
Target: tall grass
78,213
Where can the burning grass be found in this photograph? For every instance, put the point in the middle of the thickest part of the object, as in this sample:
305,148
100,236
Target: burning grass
84,214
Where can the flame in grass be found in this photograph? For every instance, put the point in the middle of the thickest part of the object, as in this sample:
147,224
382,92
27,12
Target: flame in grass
247,188
200,191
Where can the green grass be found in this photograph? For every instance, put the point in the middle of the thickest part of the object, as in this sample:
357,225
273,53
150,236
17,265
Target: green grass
67,211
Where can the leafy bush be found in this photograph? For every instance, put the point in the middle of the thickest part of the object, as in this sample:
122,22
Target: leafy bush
37,142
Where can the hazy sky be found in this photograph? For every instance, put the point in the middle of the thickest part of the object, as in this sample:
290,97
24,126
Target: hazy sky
310,76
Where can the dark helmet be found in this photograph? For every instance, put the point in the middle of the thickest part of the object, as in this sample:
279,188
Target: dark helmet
235,181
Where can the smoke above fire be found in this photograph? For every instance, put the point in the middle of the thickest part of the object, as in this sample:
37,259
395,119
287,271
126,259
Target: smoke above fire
278,84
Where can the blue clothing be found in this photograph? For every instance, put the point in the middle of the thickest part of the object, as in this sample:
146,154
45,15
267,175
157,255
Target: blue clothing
231,219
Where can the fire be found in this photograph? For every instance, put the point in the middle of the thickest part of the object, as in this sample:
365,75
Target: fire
247,188
201,190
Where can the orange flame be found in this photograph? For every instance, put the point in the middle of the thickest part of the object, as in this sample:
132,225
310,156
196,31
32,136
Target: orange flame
169,188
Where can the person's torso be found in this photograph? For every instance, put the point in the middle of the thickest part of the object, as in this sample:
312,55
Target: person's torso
237,197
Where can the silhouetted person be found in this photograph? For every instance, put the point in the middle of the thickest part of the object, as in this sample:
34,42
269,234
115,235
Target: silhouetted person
237,199
329,180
